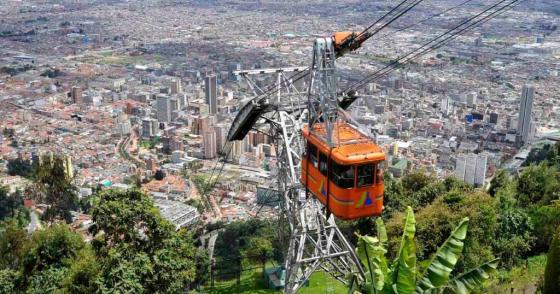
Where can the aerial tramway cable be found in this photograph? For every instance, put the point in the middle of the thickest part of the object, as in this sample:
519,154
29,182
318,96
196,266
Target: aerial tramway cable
425,19
434,43
304,73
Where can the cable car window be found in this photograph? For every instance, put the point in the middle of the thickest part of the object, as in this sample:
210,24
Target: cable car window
343,175
379,174
312,152
365,174
323,163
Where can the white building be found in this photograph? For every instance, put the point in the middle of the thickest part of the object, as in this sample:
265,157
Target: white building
471,168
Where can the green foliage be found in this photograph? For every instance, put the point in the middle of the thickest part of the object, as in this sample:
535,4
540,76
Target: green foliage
259,249
400,275
47,281
442,264
134,251
474,278
83,274
20,167
50,248
416,181
10,204
403,273
51,73
436,221
552,270
159,175
233,245
521,277
500,181
120,273
514,236
174,267
53,186
8,281
129,218
549,153
538,185
545,221
141,251
13,239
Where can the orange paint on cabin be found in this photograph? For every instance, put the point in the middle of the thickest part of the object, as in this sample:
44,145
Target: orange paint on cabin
349,178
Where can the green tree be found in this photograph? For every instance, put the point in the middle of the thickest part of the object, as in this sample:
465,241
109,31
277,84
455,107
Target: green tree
83,274
259,250
403,276
499,181
47,281
119,272
53,247
141,251
514,235
129,218
552,270
393,198
13,240
20,167
545,220
8,281
10,204
54,187
416,181
437,220
538,185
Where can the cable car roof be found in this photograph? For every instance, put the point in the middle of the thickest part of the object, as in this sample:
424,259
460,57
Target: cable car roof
350,145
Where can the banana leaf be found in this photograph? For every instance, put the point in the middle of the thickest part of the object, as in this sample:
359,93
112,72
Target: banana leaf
372,256
404,269
438,272
381,231
473,278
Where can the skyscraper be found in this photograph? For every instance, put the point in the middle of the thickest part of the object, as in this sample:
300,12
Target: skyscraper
471,168
525,113
163,108
209,144
149,127
471,99
211,87
174,85
76,95
480,170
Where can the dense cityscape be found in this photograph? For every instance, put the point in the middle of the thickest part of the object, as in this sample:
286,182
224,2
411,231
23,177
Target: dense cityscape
140,96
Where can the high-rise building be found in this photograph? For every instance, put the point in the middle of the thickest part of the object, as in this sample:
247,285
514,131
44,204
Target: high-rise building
494,118
211,88
471,99
209,144
221,134
174,85
525,113
174,104
163,104
76,95
201,125
471,168
149,127
480,170
445,105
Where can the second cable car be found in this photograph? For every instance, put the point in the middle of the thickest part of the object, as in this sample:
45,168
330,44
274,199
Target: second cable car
348,177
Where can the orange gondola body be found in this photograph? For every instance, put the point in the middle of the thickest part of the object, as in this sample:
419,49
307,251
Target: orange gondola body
347,178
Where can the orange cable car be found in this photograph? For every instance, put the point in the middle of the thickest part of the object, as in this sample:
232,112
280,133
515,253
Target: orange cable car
347,178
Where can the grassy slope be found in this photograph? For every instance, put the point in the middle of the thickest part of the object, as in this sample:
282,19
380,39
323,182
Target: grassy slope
522,279
251,282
